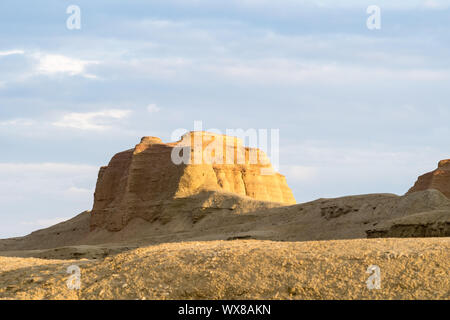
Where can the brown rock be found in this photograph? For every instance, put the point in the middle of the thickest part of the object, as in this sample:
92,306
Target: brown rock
139,182
425,224
438,179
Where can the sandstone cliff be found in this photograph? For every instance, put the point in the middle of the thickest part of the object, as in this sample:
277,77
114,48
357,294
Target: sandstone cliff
142,182
438,179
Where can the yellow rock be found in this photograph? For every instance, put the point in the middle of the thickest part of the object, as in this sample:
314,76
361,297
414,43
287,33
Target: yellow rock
136,182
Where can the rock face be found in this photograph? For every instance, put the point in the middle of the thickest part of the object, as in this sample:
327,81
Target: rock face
426,224
140,182
438,179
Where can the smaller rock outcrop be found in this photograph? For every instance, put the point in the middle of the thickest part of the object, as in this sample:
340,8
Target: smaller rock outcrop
425,224
438,179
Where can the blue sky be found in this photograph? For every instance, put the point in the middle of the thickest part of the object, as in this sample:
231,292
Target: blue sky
359,110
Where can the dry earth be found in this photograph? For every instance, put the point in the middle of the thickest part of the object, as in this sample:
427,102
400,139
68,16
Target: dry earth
184,252
242,269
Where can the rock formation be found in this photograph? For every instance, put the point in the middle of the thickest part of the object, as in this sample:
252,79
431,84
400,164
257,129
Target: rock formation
143,181
425,224
438,179
210,187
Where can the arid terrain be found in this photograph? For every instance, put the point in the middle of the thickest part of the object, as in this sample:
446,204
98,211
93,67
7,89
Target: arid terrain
243,269
158,231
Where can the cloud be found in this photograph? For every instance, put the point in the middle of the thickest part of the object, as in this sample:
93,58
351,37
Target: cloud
152,108
17,122
11,52
157,68
51,64
295,7
294,71
100,120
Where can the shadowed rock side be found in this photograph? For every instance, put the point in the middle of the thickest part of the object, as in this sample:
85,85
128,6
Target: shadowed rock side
431,218
438,179
137,183
425,224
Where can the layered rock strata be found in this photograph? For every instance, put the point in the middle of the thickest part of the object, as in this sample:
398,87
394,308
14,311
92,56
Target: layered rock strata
438,179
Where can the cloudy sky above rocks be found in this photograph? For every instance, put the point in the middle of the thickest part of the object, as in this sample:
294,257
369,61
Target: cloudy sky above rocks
359,110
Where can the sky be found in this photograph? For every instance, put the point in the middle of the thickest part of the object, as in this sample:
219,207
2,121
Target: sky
359,110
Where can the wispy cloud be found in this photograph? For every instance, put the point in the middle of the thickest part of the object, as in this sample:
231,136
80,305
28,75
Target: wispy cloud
153,108
51,64
11,52
100,120
17,122
290,71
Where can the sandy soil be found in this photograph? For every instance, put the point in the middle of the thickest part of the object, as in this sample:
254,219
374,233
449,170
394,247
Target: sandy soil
242,269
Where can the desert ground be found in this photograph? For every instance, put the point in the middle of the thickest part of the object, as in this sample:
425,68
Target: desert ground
242,269
205,250
220,246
